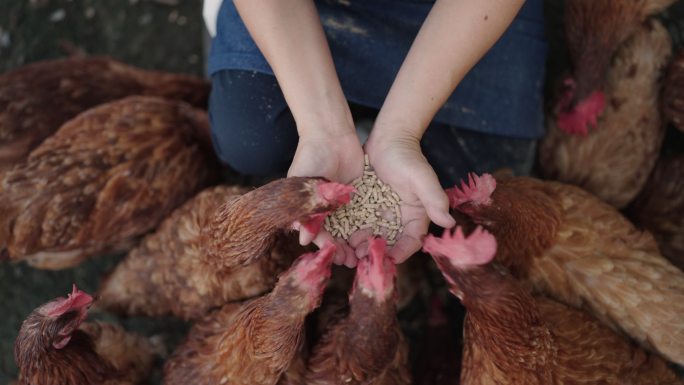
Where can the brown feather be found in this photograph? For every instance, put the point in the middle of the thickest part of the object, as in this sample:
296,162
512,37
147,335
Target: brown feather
244,229
366,346
595,29
614,160
251,343
37,99
659,208
167,274
97,353
512,337
571,246
104,179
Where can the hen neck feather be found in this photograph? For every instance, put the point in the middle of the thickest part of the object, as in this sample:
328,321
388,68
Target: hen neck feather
503,318
39,363
594,30
377,319
525,222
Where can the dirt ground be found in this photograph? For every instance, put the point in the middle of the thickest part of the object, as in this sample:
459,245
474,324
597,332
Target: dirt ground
158,34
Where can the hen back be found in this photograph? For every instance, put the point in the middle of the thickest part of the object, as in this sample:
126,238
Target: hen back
255,342
365,346
105,178
581,251
659,207
167,273
244,229
514,338
614,159
35,100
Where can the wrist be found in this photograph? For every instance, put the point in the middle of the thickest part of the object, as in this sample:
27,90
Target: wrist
325,126
398,135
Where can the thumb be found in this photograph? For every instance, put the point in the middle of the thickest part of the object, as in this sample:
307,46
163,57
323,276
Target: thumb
434,199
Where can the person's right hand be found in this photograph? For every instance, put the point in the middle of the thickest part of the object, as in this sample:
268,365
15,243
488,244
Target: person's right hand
399,162
337,157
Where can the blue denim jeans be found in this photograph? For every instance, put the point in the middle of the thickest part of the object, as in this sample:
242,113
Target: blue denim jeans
254,133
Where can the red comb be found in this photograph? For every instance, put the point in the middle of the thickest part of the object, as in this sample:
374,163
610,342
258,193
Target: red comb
314,222
583,116
335,193
477,249
478,190
75,301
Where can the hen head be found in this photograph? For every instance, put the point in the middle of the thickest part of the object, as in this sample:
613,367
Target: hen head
330,195
474,197
311,272
454,252
576,117
375,274
62,316
51,325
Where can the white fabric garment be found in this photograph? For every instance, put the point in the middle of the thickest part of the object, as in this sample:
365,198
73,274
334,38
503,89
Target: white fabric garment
210,10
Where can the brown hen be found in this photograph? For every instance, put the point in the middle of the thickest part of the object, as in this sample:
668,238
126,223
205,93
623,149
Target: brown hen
659,208
166,273
254,343
244,229
614,160
366,346
54,348
105,178
35,100
512,337
571,246
594,30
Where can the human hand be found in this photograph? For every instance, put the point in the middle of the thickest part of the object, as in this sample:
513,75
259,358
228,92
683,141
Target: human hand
337,157
399,162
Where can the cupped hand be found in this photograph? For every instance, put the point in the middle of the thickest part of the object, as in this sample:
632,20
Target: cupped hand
399,162
337,157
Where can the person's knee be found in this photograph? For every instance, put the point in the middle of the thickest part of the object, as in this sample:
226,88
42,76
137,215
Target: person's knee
252,129
248,157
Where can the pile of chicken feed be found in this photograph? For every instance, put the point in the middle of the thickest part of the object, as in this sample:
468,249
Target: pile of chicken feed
374,206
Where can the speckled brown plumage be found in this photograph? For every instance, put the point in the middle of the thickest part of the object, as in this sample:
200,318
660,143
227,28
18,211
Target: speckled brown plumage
250,343
98,353
35,100
571,246
243,229
512,337
166,274
659,208
364,346
105,178
673,92
595,29
614,160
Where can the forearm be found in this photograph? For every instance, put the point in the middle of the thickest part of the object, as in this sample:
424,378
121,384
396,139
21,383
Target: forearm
291,38
454,36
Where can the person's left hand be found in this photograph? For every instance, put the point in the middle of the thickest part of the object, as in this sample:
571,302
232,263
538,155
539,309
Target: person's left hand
400,163
338,158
